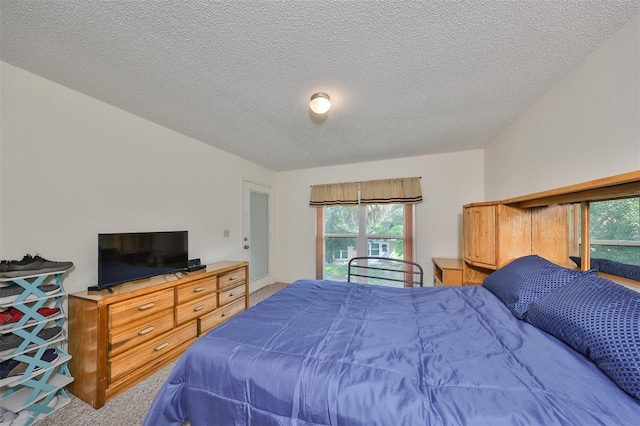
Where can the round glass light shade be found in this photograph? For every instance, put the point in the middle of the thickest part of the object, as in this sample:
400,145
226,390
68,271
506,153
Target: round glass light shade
320,103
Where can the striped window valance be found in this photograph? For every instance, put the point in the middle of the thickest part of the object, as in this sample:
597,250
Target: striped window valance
383,191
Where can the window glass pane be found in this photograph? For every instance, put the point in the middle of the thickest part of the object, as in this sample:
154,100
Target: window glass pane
341,220
385,219
259,232
344,239
615,230
386,247
337,253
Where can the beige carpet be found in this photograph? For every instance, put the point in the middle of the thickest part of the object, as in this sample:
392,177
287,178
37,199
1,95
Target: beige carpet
130,407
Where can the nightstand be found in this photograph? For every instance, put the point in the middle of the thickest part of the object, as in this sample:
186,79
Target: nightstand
447,272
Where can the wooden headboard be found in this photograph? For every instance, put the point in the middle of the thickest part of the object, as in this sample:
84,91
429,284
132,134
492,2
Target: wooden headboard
625,185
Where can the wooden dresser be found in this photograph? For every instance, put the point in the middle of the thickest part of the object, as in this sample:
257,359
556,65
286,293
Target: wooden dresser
117,340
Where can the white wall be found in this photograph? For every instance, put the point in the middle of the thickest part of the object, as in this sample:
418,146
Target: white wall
448,181
1,133
73,167
586,127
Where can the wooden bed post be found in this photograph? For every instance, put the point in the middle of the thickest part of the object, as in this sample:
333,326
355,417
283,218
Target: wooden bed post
585,251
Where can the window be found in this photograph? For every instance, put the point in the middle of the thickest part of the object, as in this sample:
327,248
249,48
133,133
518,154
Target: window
615,230
359,219
344,232
378,248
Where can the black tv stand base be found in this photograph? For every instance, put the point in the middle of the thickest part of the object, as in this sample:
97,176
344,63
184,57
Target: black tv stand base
96,288
194,268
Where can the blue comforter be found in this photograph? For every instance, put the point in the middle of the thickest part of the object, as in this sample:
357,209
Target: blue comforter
330,353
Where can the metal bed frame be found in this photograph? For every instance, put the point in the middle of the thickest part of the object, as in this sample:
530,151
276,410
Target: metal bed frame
378,270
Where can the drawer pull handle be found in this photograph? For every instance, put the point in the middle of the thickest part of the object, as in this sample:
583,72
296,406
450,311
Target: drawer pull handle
233,278
146,330
198,289
161,346
231,294
147,306
224,314
198,308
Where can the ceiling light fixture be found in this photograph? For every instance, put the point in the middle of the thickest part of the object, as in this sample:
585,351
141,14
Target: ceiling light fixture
320,103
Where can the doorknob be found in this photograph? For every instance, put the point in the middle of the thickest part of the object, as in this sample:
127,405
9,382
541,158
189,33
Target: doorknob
246,247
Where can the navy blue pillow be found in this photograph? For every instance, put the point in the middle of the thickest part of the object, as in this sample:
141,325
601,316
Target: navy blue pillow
612,267
526,280
578,261
600,319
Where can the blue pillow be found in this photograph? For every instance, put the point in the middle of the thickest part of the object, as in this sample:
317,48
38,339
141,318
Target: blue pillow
526,280
612,267
600,319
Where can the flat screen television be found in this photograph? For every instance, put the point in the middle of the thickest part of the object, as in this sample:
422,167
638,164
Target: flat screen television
132,256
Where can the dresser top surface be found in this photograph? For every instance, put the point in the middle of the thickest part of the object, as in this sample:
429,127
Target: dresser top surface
139,287
448,263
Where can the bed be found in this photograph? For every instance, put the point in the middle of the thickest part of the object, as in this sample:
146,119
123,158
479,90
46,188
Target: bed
341,353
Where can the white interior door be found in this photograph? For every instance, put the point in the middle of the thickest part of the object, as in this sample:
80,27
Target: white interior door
256,239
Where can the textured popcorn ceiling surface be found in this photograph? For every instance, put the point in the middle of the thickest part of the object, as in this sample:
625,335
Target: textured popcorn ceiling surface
405,78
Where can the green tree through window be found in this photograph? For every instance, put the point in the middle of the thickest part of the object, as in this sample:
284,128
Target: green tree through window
368,230
615,230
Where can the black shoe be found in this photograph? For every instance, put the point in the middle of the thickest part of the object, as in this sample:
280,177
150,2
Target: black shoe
9,342
8,265
13,367
32,265
7,366
10,293
12,290
42,264
49,355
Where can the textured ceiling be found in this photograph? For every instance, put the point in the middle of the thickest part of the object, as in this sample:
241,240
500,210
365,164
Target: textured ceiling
405,78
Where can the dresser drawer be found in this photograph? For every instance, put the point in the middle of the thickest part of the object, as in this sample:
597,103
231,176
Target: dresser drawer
195,308
135,333
207,322
151,351
232,278
231,294
191,291
130,310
